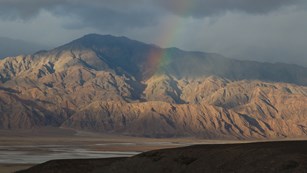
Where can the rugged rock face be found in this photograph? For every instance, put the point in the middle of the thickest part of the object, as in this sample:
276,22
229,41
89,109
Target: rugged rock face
240,109
116,85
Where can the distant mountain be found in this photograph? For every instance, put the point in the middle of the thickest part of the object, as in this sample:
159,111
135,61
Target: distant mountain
143,60
12,47
117,85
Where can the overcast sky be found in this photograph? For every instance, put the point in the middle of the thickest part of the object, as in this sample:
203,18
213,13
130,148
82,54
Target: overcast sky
261,30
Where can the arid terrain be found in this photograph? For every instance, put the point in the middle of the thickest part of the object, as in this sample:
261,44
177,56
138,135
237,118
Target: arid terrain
102,96
275,157
116,85
21,149
153,86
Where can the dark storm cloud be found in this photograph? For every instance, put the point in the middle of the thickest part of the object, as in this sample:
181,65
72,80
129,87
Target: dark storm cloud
92,13
120,15
132,13
24,9
106,18
201,8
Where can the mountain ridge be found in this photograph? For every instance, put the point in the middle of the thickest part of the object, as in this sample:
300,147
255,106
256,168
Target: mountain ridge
117,85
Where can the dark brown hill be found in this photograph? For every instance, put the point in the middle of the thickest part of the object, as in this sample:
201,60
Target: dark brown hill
265,157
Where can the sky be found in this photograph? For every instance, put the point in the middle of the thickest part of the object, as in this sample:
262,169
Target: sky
259,30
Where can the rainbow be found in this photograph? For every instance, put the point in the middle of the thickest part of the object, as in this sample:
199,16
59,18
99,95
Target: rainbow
170,32
158,58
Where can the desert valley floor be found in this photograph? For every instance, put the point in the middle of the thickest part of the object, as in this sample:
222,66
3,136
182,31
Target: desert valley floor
21,149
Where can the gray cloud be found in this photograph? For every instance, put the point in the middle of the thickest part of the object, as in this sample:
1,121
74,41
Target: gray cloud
92,13
133,12
279,37
201,8
107,18
20,9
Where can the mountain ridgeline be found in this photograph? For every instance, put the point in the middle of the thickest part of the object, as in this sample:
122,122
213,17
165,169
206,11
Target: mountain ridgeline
116,85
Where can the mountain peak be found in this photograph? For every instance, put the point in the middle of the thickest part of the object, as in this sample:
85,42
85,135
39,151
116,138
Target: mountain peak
93,37
95,41
143,60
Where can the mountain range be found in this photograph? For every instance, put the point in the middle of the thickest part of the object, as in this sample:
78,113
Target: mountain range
111,84
13,47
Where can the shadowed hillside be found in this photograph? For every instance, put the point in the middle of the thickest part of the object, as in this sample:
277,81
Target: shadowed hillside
266,157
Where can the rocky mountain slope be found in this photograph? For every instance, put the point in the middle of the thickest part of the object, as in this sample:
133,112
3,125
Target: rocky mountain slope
117,85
